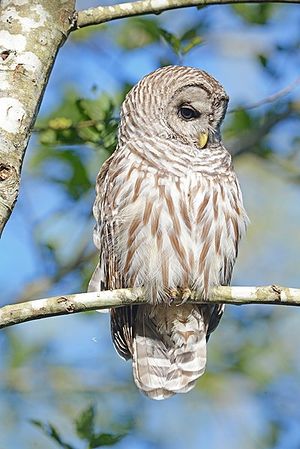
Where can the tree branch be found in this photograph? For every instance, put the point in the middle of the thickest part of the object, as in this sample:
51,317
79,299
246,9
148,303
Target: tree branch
248,140
83,302
271,98
101,14
30,35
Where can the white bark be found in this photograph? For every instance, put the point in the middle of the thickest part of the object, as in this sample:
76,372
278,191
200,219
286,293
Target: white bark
101,14
31,32
83,302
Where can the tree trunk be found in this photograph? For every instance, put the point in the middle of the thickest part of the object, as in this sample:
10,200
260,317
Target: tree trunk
31,33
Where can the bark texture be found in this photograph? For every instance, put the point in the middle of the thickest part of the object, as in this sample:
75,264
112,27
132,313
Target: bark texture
31,32
101,14
82,302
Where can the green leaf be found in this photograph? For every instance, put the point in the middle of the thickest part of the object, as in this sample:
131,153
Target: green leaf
257,13
171,39
48,137
80,121
84,424
194,42
263,60
50,431
59,123
242,120
138,33
96,109
89,134
105,439
85,429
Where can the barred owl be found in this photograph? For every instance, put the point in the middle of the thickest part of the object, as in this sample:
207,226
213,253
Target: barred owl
169,215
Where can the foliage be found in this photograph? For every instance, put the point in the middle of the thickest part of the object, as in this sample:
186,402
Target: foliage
76,122
85,430
260,13
140,32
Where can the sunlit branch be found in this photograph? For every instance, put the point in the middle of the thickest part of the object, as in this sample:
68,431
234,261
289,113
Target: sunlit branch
83,302
101,14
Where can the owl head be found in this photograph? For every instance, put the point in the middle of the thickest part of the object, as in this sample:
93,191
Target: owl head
178,103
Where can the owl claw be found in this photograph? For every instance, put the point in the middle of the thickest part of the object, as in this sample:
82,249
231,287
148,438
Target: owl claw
173,295
185,295
176,294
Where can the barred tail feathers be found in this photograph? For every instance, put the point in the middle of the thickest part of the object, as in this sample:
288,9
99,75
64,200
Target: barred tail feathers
169,349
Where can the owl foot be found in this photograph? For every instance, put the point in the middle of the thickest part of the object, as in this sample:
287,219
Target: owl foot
186,294
173,295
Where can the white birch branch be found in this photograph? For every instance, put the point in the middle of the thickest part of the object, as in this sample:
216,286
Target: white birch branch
101,14
31,32
83,302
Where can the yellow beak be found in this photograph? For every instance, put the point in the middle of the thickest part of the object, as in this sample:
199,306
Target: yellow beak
202,139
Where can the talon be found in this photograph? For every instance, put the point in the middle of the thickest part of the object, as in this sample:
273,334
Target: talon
185,295
173,295
171,300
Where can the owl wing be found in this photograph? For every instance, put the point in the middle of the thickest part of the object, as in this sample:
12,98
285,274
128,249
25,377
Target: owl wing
107,275
103,232
215,317
218,310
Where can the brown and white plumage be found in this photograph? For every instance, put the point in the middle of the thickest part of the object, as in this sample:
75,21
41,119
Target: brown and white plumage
169,214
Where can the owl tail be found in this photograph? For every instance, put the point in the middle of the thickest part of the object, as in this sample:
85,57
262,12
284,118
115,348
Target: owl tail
169,349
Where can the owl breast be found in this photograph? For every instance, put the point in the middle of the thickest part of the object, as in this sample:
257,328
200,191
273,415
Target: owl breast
178,231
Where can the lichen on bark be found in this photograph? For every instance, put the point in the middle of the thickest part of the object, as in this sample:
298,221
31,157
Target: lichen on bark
31,32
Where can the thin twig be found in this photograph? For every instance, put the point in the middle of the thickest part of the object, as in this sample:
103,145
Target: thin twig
101,14
271,98
74,126
248,140
83,302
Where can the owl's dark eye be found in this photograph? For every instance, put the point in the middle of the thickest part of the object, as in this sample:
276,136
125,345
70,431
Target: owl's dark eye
188,113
